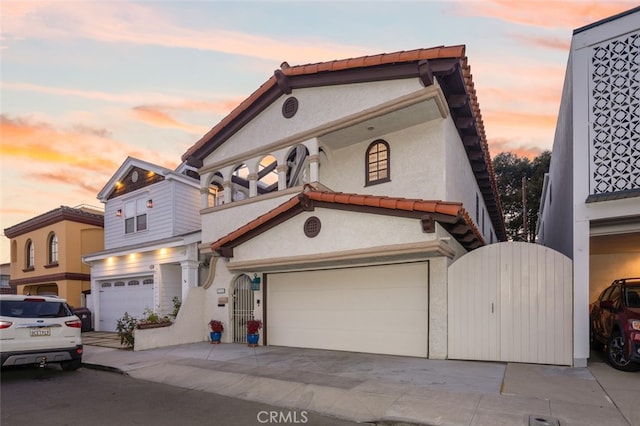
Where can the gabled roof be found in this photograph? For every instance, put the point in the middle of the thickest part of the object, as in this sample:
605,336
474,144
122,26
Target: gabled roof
452,216
446,63
132,163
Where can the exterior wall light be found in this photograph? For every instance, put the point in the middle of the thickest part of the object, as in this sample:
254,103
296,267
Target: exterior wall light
149,204
118,212
255,283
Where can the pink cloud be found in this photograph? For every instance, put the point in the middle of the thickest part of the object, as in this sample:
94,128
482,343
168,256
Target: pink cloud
543,13
155,116
142,24
499,145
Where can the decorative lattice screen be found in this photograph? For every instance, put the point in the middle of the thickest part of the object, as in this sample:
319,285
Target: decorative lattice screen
615,115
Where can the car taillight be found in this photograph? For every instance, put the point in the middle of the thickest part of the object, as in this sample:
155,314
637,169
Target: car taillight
634,324
5,324
74,323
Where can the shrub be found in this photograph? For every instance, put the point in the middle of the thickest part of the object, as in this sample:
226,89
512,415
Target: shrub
125,326
176,306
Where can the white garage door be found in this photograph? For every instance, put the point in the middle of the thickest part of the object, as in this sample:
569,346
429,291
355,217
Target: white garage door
132,295
374,309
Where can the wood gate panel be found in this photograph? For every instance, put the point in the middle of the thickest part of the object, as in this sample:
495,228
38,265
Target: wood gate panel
511,302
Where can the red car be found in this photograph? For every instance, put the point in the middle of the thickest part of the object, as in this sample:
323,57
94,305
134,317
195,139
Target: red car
615,323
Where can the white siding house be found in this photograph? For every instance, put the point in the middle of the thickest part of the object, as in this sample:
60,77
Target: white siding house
152,232
590,208
334,198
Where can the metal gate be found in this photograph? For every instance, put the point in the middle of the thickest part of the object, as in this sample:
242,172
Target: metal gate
242,307
511,302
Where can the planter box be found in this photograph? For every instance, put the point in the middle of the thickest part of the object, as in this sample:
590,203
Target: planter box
153,325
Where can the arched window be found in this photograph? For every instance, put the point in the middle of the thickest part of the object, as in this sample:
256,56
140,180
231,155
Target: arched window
52,246
30,254
377,163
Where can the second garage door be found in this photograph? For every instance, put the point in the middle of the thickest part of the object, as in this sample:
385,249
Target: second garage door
132,295
374,309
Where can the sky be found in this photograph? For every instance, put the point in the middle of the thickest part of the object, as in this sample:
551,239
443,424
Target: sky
85,84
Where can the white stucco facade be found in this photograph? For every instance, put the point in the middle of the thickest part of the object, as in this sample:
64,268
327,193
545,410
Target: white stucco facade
593,187
373,259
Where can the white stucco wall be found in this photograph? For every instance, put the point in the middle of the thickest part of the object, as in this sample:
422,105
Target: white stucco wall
341,230
317,106
416,164
461,185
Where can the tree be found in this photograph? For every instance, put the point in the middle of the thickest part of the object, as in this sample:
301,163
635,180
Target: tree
510,171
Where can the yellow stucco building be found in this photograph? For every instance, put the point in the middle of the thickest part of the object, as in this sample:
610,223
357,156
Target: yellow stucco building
46,252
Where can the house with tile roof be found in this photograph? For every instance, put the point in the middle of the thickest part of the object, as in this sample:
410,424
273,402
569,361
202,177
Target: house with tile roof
590,207
333,200
151,237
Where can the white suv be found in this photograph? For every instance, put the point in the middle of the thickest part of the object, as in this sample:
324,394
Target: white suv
39,330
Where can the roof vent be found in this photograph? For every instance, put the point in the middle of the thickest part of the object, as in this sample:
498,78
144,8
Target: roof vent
290,107
312,227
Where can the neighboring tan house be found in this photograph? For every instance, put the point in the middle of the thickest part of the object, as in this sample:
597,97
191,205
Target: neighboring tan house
46,252
5,276
590,208
152,231
333,200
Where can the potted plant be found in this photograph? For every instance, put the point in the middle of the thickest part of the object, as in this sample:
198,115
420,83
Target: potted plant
216,330
253,328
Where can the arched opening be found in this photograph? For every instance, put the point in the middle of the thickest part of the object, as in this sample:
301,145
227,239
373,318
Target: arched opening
240,183
298,166
52,249
267,175
216,191
242,307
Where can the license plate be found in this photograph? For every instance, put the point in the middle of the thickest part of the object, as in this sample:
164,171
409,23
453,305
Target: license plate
38,332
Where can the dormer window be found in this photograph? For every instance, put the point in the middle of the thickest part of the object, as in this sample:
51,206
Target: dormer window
377,163
135,215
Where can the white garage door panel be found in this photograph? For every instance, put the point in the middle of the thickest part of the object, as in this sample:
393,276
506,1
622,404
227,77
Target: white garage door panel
377,309
115,301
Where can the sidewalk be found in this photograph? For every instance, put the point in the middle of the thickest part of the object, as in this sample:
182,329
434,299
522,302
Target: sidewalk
385,389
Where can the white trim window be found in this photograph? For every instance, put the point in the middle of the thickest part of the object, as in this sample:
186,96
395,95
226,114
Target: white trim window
135,216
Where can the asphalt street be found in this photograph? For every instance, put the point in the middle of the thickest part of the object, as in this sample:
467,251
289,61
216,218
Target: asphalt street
49,396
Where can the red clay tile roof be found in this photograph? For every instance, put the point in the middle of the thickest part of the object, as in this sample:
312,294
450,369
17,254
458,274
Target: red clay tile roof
455,211
340,65
225,127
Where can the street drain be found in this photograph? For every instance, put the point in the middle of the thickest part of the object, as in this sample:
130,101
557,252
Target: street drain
536,420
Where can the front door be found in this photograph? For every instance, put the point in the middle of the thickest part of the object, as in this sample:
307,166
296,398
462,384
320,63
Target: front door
242,307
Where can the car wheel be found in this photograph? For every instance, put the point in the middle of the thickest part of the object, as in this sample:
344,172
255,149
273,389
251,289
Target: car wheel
71,365
616,353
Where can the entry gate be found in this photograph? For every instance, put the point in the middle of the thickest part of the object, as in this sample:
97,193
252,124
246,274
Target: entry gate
511,302
242,307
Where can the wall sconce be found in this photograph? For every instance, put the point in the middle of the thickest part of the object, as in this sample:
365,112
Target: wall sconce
255,283
149,204
118,212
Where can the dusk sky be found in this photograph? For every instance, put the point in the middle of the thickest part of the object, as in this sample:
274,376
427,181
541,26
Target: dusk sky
84,84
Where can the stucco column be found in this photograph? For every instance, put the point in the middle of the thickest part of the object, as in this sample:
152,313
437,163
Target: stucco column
580,293
189,276
282,176
438,308
253,184
314,164
228,188
204,197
